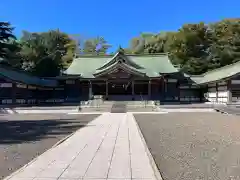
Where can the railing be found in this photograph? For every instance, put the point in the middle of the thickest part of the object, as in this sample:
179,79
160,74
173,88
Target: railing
157,102
91,103
96,101
144,101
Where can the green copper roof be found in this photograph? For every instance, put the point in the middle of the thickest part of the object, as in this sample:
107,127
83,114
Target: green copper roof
22,77
196,78
151,65
116,65
127,60
218,74
155,63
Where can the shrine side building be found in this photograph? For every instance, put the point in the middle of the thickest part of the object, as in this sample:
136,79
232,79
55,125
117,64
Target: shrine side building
121,77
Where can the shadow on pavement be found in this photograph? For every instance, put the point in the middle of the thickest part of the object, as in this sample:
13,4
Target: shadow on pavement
24,137
19,131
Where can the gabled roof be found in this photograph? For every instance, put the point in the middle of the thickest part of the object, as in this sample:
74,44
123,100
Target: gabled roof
152,65
115,66
25,78
117,57
218,74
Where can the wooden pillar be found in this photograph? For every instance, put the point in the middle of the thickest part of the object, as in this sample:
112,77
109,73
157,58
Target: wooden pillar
149,88
207,90
163,88
80,89
36,94
64,91
106,89
90,89
26,98
179,90
14,92
229,87
133,93
54,95
200,92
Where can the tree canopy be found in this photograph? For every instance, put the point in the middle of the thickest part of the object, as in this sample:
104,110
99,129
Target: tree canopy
52,49
95,46
195,48
7,41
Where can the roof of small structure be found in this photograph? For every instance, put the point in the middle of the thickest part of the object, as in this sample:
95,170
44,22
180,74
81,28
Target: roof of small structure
148,65
22,77
218,74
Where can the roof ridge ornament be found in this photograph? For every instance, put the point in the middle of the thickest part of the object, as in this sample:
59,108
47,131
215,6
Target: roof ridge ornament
120,49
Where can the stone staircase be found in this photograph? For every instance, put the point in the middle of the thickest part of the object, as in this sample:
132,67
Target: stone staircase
96,105
100,105
141,106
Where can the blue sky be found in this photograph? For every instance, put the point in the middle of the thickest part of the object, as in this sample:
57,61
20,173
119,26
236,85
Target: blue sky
116,21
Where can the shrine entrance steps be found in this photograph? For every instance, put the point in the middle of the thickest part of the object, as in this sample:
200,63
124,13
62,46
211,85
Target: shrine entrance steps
119,106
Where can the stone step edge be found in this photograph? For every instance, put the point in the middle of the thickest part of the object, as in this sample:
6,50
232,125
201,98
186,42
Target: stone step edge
151,159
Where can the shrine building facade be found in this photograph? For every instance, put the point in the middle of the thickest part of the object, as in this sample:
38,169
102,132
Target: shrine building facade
121,77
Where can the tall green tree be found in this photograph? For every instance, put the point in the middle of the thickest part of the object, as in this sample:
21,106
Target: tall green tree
196,48
53,49
7,41
158,43
225,48
138,45
189,48
95,46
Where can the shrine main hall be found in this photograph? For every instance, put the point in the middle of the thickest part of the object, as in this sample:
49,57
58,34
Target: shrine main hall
121,77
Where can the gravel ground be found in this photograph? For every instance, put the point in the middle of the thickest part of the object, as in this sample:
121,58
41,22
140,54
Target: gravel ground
24,137
193,146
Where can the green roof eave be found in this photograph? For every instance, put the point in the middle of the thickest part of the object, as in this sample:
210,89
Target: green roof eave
67,76
159,63
86,65
25,78
220,74
150,64
205,81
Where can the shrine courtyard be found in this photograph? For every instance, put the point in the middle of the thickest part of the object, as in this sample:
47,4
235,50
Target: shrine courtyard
24,137
193,145
184,145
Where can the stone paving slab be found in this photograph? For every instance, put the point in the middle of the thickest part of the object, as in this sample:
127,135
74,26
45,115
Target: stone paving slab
110,147
24,137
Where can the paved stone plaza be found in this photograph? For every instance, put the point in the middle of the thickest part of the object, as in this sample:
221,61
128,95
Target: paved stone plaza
109,147
26,136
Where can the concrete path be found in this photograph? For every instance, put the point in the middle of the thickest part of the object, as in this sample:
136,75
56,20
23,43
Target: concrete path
110,147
